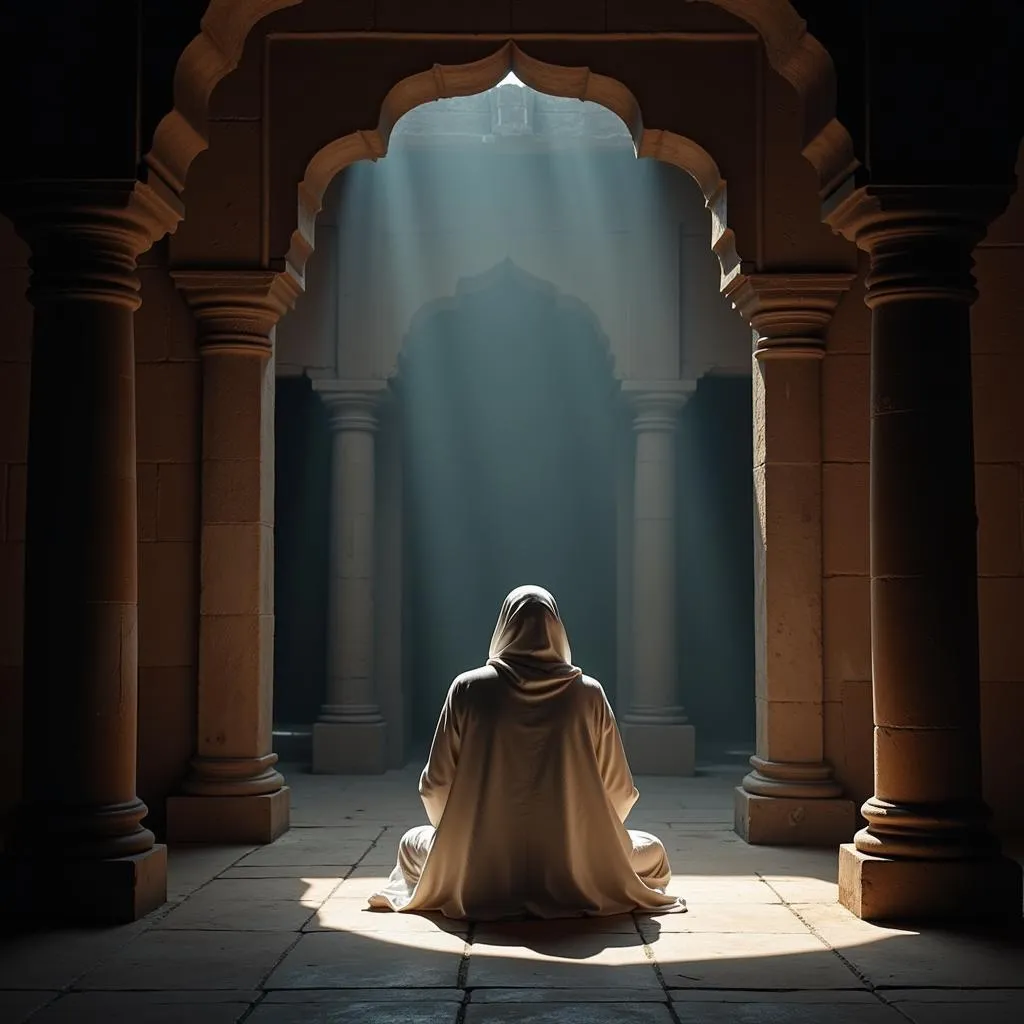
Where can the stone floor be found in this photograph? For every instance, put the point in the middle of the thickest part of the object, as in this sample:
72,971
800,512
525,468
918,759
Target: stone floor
281,935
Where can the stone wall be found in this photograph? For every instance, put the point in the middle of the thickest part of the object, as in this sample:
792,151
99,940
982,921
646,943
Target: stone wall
15,350
168,431
998,376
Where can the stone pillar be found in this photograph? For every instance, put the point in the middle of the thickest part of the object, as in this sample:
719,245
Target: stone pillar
388,591
351,736
926,851
79,848
790,796
658,738
234,793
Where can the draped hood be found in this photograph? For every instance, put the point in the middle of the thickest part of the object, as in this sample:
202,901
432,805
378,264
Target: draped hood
529,646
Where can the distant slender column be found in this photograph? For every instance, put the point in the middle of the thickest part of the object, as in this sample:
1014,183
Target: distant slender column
234,792
350,736
80,846
791,795
927,851
658,738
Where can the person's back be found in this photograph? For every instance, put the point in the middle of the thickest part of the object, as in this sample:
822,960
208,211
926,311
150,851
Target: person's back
526,788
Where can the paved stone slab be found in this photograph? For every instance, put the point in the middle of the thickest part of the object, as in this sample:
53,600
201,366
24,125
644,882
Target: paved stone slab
310,891
365,995
946,1006
16,1007
896,958
784,1013
345,960
356,1013
749,961
724,917
190,867
567,995
147,1008
191,960
697,889
54,959
219,913
352,914
327,872
598,961
569,1013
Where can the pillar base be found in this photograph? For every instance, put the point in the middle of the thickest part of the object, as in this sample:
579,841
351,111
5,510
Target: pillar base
659,749
349,748
790,821
86,892
228,819
880,889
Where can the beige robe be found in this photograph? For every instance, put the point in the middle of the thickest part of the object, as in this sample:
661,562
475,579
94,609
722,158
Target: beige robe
528,787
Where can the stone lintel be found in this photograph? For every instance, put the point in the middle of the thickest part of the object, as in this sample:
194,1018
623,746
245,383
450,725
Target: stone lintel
790,821
229,819
349,748
659,748
987,889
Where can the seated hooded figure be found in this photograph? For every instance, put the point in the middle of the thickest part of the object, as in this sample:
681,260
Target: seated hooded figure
527,788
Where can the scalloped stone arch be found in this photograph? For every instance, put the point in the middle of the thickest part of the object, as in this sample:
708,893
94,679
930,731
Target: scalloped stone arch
447,81
791,50
507,269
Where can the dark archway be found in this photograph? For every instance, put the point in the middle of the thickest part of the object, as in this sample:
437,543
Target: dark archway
508,449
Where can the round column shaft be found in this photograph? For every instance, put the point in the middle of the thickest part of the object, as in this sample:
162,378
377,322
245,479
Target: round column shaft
81,561
926,851
350,734
655,731
234,792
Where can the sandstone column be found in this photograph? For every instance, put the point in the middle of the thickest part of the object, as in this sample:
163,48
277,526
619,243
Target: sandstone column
80,847
351,736
926,851
790,796
234,793
658,738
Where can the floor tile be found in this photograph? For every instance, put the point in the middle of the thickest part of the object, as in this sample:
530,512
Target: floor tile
191,960
364,995
356,1013
598,960
568,1013
191,866
784,1013
15,1007
345,960
146,1008
901,957
352,914
655,994
54,959
945,1006
749,961
243,915
724,917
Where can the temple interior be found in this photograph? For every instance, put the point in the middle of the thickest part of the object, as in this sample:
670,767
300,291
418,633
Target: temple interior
325,323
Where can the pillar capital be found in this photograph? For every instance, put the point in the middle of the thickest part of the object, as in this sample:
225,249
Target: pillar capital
352,405
236,310
656,404
87,235
919,237
789,313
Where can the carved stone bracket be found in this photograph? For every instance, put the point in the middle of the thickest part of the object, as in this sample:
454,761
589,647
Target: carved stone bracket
237,310
789,313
